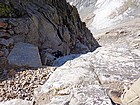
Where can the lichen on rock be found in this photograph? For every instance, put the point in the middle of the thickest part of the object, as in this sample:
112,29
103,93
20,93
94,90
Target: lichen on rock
8,11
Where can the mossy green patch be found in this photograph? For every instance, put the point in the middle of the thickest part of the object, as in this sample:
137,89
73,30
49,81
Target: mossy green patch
8,11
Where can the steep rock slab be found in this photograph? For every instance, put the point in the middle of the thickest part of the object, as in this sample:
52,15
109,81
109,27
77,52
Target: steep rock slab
24,55
122,58
85,79
115,65
75,83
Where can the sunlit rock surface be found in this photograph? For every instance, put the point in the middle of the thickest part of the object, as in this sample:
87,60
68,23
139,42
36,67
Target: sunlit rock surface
100,14
84,80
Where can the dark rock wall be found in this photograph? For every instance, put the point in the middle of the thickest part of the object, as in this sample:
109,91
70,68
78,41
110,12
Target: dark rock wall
52,25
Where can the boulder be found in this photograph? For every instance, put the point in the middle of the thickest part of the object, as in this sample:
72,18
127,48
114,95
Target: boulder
24,55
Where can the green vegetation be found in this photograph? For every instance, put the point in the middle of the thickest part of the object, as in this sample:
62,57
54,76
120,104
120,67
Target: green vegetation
8,11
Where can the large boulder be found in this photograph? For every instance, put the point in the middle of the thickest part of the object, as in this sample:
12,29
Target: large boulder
24,55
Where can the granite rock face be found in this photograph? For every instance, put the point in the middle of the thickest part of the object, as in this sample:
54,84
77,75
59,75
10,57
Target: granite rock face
32,33
24,55
85,79
85,8
80,79
52,26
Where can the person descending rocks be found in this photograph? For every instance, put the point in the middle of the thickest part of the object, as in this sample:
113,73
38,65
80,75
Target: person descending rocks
128,97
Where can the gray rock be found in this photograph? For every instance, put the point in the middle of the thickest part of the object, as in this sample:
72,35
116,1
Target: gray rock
6,51
4,35
85,8
22,27
3,62
50,25
74,82
7,42
1,53
48,58
84,80
79,47
18,38
24,54
11,32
